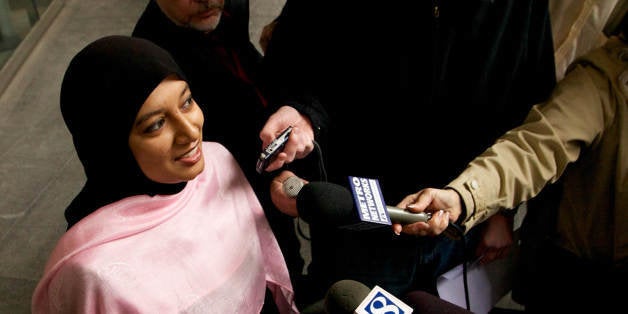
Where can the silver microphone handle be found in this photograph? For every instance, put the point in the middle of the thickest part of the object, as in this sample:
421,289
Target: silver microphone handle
406,217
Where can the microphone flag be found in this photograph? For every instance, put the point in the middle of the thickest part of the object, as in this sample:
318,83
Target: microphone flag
369,201
380,301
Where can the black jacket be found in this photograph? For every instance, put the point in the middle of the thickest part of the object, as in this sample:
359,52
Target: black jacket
234,112
414,90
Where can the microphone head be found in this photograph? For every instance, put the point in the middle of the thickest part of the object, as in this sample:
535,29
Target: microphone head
326,203
292,186
345,296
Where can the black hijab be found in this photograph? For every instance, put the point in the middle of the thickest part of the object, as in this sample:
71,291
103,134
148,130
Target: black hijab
103,89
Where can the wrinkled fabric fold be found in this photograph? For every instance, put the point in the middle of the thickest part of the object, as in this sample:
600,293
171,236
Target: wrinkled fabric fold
186,252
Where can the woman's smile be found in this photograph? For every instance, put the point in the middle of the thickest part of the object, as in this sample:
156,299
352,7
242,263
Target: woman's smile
192,156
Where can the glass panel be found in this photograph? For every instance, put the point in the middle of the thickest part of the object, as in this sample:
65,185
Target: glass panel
17,18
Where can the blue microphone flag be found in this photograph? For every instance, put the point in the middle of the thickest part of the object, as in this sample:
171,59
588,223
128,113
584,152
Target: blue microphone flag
369,200
380,301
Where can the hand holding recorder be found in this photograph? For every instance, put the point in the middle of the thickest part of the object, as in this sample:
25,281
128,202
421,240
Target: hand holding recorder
276,146
300,142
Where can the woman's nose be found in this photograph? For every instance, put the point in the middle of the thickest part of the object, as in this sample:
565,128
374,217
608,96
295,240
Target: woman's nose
187,130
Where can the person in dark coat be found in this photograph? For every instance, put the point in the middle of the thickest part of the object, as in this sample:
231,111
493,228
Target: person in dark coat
391,76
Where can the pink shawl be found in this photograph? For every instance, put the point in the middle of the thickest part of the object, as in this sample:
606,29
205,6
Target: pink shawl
207,249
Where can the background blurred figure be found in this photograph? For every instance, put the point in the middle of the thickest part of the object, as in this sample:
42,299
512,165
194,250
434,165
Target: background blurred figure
168,223
438,76
210,41
580,135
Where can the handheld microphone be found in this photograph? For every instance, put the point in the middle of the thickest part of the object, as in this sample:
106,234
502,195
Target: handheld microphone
332,204
344,296
292,186
350,296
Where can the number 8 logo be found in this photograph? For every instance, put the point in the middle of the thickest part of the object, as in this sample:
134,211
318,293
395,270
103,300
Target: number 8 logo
380,305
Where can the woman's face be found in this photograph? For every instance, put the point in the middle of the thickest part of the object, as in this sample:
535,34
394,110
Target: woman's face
167,134
201,15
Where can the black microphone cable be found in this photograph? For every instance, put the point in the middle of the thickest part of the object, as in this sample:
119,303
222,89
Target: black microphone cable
321,162
323,175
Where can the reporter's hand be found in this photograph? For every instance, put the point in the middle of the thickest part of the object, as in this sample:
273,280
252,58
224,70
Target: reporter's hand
496,240
300,142
445,206
282,201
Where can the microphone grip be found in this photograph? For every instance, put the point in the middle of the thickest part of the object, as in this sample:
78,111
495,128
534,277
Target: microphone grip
405,217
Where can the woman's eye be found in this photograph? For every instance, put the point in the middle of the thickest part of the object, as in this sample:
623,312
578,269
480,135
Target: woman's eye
155,126
188,103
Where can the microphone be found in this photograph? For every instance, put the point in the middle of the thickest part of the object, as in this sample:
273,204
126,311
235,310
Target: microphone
333,204
344,296
350,296
292,186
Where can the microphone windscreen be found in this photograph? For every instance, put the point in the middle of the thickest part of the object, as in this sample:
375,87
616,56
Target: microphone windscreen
345,296
326,203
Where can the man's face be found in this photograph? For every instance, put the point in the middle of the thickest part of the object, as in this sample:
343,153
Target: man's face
201,15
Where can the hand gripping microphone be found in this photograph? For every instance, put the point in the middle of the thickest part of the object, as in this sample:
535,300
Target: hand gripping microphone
332,204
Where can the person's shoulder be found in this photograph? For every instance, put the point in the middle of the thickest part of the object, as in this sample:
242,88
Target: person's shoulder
218,158
215,150
150,23
214,146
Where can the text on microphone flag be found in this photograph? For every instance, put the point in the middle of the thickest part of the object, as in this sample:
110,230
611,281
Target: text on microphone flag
369,200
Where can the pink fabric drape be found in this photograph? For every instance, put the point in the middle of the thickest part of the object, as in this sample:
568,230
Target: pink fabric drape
207,249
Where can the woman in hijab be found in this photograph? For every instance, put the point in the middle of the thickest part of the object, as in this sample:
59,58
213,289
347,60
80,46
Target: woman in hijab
166,223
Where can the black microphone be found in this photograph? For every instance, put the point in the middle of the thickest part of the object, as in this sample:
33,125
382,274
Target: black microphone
333,204
345,296
342,297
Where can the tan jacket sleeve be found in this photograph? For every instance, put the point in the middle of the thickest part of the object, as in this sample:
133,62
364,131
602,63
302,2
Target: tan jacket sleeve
525,159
